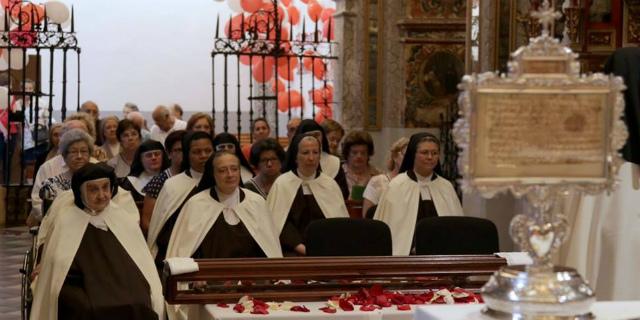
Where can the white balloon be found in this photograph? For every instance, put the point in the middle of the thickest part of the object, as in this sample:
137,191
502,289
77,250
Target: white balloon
16,59
4,95
234,5
57,11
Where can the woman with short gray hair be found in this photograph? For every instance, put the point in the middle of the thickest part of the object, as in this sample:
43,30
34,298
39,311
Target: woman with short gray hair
76,147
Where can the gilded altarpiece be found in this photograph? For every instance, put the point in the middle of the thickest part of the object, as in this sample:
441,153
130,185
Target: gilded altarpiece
434,54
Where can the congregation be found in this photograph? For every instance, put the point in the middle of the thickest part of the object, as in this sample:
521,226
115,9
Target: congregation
114,199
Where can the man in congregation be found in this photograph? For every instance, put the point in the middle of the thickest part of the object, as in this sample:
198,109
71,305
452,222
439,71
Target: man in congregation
165,123
137,118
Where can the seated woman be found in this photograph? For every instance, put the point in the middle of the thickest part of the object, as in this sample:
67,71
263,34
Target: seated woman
267,157
173,147
228,142
96,264
107,134
357,149
223,220
329,164
196,149
417,192
129,137
76,147
303,194
334,131
378,184
149,161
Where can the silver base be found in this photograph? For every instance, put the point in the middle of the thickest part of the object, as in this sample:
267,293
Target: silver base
514,293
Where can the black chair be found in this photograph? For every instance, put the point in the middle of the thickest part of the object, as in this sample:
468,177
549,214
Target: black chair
348,237
456,235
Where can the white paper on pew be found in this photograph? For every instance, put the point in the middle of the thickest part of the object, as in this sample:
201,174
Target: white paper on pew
182,265
515,258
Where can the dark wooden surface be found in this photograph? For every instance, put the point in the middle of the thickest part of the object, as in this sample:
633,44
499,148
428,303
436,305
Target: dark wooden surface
330,276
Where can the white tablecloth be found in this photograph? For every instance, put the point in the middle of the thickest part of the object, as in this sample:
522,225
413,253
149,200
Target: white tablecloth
610,310
391,313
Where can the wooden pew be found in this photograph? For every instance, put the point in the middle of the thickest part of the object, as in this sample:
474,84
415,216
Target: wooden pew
331,276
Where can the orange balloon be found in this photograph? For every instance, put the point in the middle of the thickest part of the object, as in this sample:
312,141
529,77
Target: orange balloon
323,113
314,10
262,70
251,6
294,15
322,96
245,58
288,100
286,2
236,27
281,86
287,71
327,13
260,21
319,69
328,34
308,60
34,11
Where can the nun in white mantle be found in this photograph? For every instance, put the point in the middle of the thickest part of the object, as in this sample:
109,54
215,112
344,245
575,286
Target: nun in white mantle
303,194
96,264
417,192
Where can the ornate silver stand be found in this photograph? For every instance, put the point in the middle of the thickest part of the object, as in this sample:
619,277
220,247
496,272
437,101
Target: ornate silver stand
540,131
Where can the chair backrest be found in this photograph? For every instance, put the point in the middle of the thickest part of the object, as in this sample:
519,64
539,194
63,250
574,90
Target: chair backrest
348,237
456,235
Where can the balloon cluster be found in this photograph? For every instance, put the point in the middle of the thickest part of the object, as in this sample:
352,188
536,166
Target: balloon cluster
261,19
22,21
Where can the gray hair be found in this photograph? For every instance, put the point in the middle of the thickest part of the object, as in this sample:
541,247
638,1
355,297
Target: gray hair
72,136
132,106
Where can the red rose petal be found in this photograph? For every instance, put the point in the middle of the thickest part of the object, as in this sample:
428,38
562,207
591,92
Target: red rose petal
368,307
376,290
259,310
238,308
383,301
299,309
328,310
222,305
404,307
345,305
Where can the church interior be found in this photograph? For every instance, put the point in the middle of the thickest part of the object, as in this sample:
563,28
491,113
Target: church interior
320,159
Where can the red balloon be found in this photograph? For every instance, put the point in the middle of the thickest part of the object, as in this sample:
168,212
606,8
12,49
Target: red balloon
314,10
260,21
246,59
327,13
262,69
286,2
29,11
287,71
323,113
308,60
323,96
236,27
281,86
319,69
294,15
326,33
289,99
251,6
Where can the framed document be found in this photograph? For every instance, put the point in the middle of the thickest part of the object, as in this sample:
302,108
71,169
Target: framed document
540,124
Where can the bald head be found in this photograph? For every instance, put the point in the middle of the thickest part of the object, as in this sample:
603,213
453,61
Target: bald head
137,118
163,118
90,108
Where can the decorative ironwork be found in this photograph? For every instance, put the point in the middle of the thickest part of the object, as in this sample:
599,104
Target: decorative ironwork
264,41
30,30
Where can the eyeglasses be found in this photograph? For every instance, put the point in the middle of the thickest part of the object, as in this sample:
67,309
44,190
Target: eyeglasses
152,154
226,147
81,152
267,160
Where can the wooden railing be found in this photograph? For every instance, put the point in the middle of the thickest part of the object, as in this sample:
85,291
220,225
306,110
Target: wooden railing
318,278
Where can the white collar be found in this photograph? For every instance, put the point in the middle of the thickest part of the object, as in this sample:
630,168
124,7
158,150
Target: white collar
230,202
195,174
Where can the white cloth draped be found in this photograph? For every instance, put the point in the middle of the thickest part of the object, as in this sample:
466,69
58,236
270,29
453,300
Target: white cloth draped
398,207
329,164
325,190
66,233
605,237
173,193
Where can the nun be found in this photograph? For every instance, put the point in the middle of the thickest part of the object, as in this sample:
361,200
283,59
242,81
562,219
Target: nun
329,163
96,264
224,220
228,142
303,194
196,149
150,159
417,192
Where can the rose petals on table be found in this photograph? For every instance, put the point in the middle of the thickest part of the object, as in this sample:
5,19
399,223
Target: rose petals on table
259,309
345,305
328,310
222,305
299,309
369,307
404,307
238,308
